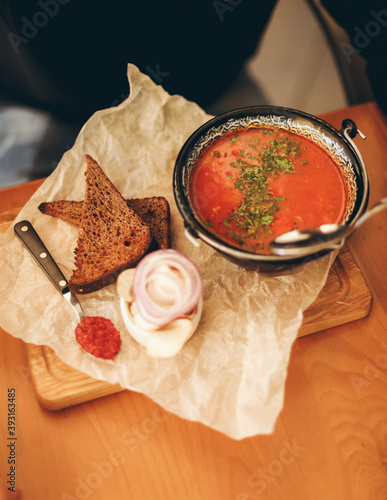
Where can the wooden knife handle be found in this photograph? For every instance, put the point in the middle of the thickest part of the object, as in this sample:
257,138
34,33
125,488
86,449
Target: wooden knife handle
29,237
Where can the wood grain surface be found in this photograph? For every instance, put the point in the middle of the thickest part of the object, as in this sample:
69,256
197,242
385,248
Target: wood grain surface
329,442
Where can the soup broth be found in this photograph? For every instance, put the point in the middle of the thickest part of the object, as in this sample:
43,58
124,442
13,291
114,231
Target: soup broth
254,184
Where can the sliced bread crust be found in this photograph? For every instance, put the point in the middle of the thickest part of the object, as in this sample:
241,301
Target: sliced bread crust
154,211
112,237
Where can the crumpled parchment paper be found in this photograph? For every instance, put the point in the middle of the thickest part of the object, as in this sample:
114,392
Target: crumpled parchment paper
231,373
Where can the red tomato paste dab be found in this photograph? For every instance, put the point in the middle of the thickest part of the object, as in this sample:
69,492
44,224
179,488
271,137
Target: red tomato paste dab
98,336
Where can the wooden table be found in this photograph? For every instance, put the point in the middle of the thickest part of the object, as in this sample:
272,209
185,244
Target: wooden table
330,440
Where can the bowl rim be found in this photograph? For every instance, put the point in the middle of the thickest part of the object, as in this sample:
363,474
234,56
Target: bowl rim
197,230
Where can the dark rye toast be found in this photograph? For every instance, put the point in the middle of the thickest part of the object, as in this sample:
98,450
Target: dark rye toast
154,211
112,237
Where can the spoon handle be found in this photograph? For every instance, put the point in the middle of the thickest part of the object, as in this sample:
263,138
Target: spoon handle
380,205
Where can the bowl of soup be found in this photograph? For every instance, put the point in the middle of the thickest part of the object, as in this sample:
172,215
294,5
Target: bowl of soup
252,174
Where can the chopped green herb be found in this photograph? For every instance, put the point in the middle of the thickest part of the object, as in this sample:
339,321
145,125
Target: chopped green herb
253,142
239,239
267,219
255,214
285,164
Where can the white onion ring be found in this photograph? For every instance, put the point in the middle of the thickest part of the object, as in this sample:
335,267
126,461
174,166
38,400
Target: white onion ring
184,278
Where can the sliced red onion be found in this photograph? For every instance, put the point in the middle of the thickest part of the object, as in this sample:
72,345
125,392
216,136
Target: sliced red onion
166,285
163,286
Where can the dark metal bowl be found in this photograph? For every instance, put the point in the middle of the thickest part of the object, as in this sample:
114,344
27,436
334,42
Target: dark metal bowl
337,143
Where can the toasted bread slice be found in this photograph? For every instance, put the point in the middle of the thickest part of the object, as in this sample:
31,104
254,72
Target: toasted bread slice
154,211
68,210
112,237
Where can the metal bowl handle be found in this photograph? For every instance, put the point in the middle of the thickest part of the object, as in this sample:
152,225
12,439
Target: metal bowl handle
349,128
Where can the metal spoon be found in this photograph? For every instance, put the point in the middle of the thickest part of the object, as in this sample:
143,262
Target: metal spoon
30,239
326,237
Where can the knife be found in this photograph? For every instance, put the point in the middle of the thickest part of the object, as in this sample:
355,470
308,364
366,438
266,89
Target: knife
30,239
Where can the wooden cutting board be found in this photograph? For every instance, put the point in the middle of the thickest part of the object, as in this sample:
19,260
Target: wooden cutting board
344,298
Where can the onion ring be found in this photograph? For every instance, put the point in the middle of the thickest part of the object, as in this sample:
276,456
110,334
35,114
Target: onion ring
166,285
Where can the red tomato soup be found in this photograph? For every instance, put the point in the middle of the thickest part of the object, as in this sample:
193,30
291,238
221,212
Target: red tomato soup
251,185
